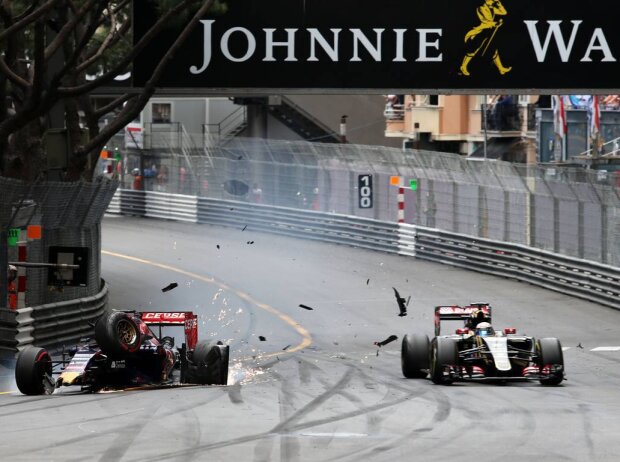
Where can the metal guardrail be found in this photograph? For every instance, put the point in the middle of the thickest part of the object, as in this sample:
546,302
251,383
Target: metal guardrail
572,276
50,324
577,277
357,232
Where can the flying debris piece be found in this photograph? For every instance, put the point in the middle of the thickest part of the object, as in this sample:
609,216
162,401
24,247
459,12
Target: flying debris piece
390,339
250,242
305,307
236,188
402,305
240,158
244,227
170,286
218,246
377,351
261,338
286,348
579,346
367,281
408,300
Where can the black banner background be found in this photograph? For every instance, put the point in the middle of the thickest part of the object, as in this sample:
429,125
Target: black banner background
454,18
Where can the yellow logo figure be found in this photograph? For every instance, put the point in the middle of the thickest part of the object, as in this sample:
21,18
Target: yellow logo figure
481,36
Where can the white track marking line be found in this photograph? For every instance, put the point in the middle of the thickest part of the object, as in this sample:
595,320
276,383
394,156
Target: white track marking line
606,348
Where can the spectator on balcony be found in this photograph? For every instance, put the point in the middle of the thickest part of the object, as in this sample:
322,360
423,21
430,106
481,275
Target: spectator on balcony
611,102
504,112
394,107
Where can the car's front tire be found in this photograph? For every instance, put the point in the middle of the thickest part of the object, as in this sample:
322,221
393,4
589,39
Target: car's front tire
443,353
414,356
33,371
550,355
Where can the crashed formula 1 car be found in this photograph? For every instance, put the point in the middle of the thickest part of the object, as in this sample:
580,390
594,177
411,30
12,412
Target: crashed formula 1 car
477,352
126,353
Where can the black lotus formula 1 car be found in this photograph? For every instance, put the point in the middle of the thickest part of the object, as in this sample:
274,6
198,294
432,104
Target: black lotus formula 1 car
126,353
478,352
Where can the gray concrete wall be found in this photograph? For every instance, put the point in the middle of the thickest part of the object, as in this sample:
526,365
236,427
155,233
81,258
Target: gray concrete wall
365,124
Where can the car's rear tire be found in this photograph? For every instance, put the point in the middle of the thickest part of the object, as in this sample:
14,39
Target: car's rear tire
550,354
414,356
443,353
117,334
33,371
208,364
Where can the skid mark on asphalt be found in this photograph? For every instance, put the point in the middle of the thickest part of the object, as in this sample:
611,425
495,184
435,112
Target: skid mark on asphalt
305,334
292,424
584,413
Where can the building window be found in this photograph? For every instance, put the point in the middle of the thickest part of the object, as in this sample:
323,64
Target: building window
161,113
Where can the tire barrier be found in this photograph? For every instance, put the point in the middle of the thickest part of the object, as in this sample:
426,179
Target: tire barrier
51,324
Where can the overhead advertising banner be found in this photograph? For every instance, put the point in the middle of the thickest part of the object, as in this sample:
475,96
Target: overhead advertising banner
371,46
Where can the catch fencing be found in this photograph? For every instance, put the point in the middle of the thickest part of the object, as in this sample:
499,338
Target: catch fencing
581,278
568,211
69,215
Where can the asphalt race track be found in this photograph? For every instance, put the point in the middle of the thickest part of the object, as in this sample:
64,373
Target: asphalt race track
317,389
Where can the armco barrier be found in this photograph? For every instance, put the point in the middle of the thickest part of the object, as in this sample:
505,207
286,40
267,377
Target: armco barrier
580,278
50,324
572,276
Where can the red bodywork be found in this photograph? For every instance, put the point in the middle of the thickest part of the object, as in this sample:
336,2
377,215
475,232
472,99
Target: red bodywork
174,318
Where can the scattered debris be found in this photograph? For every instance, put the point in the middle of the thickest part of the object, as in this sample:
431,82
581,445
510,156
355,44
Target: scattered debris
336,343
261,338
250,242
367,281
402,305
579,346
390,339
305,307
218,246
244,227
170,286
286,348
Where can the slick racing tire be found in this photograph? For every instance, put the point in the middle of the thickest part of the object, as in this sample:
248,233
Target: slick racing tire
117,334
550,354
443,353
414,356
33,372
209,364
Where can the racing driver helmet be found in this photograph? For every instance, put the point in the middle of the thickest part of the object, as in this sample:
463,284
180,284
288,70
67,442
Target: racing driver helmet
484,329
476,318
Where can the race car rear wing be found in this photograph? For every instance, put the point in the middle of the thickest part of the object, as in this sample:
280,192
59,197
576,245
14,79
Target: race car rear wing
458,313
187,319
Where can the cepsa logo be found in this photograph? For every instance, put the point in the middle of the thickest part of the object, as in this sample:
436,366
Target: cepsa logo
164,317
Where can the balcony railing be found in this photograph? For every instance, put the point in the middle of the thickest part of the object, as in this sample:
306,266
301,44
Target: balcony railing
394,111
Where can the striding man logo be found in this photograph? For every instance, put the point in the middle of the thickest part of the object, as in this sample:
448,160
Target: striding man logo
479,40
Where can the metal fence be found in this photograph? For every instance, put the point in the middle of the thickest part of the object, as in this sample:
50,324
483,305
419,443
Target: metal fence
570,211
69,215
